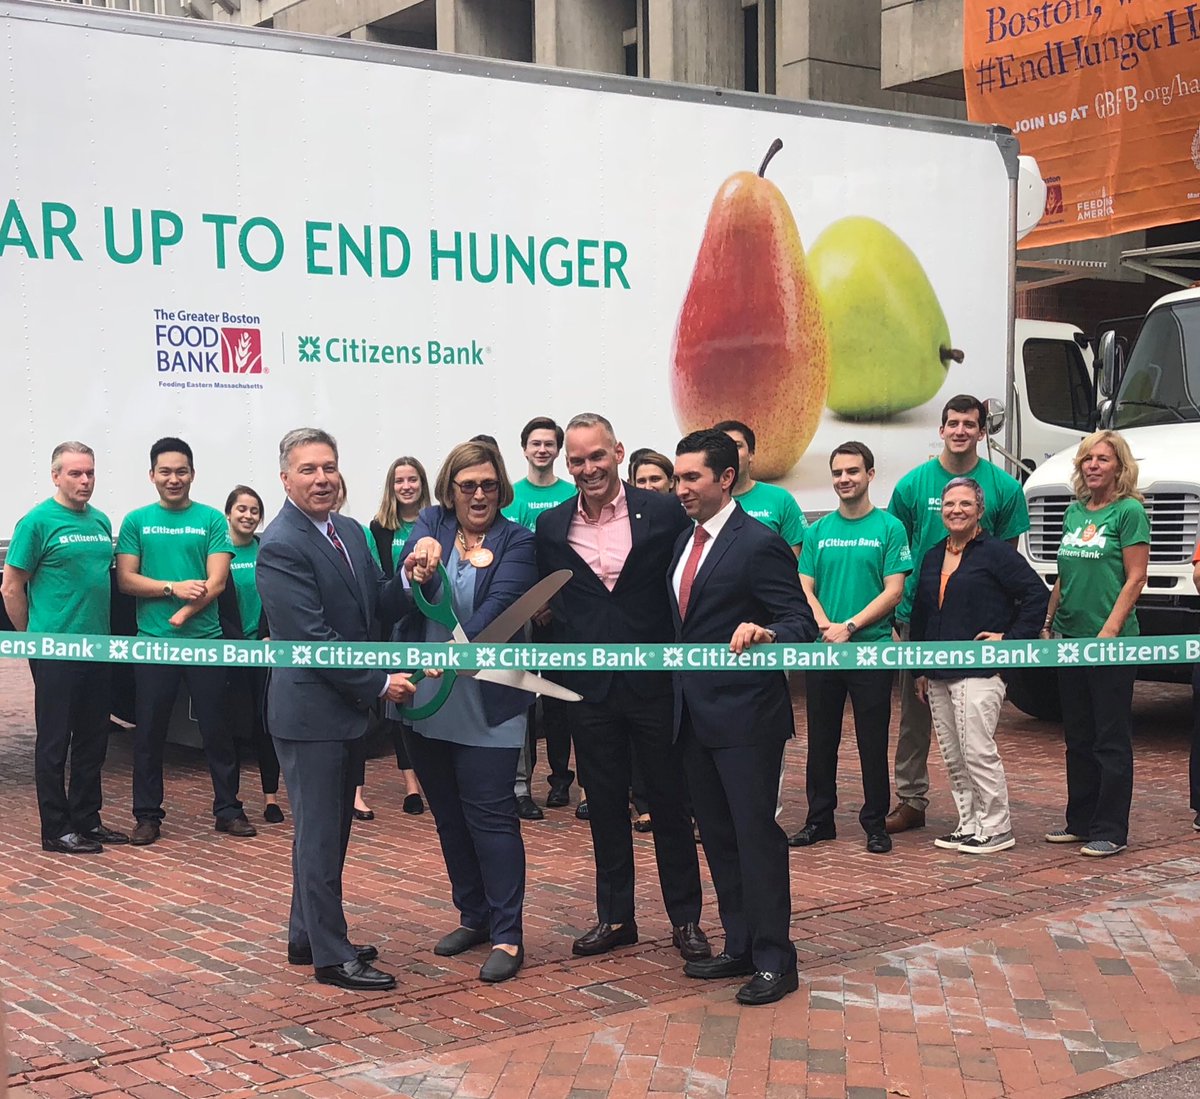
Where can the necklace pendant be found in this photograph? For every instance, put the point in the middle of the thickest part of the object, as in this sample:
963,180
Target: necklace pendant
480,557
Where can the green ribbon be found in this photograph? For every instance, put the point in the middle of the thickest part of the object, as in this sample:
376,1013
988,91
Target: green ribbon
908,655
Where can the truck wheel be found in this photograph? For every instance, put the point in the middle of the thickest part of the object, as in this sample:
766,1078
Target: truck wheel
1035,692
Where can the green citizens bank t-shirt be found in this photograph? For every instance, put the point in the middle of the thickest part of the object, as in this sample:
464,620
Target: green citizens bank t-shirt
68,555
401,536
848,560
917,503
529,501
776,508
241,572
1091,568
174,546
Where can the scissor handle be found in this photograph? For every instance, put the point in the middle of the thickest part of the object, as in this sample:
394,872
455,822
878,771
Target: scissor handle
442,612
419,713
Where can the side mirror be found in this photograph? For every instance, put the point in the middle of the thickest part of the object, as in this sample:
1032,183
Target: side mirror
1112,364
995,416
1104,416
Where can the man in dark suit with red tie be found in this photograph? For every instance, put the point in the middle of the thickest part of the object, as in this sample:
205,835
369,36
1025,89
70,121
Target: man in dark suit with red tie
733,581
617,541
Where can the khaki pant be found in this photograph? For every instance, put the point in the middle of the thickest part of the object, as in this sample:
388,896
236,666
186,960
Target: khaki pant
912,743
965,712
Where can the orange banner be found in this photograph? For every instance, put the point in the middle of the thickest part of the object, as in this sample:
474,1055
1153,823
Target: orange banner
1105,94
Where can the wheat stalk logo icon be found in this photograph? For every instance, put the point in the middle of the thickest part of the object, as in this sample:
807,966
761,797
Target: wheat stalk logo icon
241,354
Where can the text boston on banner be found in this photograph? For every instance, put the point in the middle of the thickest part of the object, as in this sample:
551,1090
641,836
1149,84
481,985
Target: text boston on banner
1105,94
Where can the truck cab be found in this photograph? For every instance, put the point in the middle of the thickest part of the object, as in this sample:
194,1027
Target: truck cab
1154,401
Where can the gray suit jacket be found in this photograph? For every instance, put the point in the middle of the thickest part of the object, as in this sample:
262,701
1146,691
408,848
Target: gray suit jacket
310,595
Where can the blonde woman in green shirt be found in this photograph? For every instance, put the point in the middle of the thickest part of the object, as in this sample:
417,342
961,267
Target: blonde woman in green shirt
1102,562
405,494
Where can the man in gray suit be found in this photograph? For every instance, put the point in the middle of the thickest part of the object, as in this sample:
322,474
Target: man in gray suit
319,583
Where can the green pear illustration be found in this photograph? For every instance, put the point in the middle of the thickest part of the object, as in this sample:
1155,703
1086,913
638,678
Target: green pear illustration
889,342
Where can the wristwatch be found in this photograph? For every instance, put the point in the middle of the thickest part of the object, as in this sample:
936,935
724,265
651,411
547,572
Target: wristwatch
168,590
852,627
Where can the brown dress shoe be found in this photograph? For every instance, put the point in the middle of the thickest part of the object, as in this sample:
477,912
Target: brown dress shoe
237,826
145,833
904,817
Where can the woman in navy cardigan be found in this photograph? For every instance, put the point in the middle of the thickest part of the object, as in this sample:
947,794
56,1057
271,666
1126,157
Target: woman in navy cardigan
466,754
973,587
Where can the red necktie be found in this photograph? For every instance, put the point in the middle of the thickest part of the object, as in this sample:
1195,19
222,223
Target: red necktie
690,570
337,543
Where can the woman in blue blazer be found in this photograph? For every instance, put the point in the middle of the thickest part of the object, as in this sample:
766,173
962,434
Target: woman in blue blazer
466,754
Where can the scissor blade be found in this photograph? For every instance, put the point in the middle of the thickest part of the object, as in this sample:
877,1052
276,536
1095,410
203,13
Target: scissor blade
526,681
501,628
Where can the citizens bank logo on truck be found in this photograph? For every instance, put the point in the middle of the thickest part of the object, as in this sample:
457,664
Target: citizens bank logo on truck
336,350
207,343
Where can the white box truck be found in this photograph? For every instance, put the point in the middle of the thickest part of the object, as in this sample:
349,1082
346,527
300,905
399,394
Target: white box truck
222,233
1154,401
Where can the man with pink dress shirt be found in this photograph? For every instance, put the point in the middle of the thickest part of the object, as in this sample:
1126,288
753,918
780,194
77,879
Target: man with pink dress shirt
617,541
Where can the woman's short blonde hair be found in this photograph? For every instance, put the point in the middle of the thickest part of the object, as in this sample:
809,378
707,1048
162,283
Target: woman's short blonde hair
1127,477
463,457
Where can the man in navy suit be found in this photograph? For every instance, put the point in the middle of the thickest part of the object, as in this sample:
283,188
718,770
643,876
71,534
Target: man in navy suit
319,583
617,541
733,581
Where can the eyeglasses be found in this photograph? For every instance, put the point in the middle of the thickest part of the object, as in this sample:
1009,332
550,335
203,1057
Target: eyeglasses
469,488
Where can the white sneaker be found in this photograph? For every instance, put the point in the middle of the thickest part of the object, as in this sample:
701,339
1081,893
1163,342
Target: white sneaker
953,841
987,845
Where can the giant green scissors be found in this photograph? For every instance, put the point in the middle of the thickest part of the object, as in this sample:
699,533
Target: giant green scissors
500,630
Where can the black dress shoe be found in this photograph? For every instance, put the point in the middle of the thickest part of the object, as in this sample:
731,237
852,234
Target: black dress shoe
355,975
100,834
501,965
643,826
813,833
302,955
413,805
879,843
723,965
691,942
604,937
766,988
73,843
235,826
272,814
364,814
528,809
460,939
559,796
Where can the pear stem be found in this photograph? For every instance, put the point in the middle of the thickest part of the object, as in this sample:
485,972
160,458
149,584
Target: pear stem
948,353
776,145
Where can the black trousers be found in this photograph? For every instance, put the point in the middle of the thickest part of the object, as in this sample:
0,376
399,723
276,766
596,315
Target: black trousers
1097,705
246,693
470,792
608,735
320,782
157,687
71,708
870,695
733,794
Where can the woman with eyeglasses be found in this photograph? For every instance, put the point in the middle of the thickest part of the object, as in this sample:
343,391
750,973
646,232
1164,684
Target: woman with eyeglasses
466,753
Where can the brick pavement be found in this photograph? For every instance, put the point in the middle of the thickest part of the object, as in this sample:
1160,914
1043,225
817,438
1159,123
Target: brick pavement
159,971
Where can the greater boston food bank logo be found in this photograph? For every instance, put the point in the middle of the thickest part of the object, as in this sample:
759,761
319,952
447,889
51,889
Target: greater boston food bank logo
207,343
